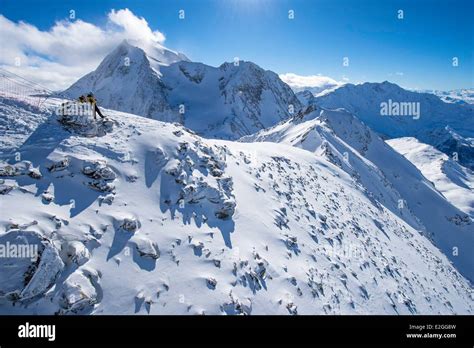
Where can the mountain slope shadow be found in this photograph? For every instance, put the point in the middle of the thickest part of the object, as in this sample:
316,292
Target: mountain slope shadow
62,183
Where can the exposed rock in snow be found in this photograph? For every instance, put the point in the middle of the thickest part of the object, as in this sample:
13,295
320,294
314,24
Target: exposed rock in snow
59,165
76,252
47,196
102,174
146,248
5,188
130,225
19,168
211,283
107,199
196,161
99,170
29,265
101,185
236,306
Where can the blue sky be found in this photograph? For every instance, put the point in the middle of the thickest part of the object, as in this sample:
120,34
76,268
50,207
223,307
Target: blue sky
415,52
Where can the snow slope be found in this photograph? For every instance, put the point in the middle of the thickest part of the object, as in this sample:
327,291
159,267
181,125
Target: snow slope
225,102
454,181
150,218
387,176
449,127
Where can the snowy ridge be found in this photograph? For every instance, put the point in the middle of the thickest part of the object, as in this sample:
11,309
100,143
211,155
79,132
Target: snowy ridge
454,181
387,176
446,126
165,222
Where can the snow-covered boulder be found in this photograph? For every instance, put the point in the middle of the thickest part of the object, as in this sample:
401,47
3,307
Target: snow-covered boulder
59,165
75,252
80,292
5,188
19,168
29,265
101,185
7,170
226,209
146,248
99,170
130,225
102,174
237,306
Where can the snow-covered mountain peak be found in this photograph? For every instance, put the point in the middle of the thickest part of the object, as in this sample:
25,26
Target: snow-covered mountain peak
127,54
157,54
225,102
241,66
127,80
305,97
122,58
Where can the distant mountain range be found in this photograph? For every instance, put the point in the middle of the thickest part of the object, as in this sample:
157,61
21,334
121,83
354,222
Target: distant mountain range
448,127
456,96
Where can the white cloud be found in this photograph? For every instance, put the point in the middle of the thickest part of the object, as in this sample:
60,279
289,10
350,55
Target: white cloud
299,81
69,49
136,28
313,83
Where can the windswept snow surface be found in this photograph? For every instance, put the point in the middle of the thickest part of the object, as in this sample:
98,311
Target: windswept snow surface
387,176
151,218
454,181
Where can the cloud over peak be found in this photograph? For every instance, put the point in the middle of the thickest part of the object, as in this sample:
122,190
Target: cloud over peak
313,83
70,48
308,81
